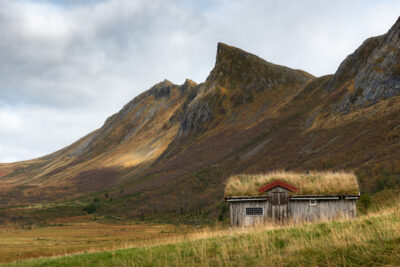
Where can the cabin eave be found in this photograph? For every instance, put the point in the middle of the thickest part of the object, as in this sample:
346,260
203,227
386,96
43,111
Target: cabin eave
295,197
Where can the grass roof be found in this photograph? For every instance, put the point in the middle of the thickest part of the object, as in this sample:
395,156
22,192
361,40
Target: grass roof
312,183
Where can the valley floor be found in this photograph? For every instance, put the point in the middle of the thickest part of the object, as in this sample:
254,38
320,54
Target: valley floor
27,241
372,240
369,240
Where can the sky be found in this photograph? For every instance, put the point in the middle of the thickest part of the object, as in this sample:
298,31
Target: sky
67,65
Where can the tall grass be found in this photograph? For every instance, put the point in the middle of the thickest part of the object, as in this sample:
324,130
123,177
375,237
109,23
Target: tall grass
370,240
312,183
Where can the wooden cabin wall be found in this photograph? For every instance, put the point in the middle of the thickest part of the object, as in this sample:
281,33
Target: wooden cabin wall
238,213
297,211
301,210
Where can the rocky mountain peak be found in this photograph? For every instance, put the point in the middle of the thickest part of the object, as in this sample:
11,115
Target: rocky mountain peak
353,62
230,58
395,28
225,52
187,87
161,89
164,83
372,72
189,82
241,76
240,66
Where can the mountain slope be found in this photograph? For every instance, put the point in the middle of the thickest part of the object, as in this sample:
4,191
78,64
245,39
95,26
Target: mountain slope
172,148
133,137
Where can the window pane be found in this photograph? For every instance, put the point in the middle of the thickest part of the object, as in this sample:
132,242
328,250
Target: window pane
254,211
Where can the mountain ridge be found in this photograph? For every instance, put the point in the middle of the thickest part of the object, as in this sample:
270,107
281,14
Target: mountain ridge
177,144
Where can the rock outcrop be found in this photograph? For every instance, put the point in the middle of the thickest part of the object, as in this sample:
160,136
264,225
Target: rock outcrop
239,76
371,73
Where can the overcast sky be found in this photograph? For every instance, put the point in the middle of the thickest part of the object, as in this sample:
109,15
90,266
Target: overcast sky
66,65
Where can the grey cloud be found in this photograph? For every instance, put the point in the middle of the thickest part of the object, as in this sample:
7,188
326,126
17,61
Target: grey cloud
67,56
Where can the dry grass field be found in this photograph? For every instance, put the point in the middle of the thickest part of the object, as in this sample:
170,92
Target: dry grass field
17,243
373,239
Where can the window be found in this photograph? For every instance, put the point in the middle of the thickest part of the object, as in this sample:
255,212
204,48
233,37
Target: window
313,202
254,211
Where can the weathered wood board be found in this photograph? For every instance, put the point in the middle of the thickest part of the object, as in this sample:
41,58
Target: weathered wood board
279,208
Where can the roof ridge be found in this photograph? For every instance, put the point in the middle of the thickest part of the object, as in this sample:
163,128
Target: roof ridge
276,183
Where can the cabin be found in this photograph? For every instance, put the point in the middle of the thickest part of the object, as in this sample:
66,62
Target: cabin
282,197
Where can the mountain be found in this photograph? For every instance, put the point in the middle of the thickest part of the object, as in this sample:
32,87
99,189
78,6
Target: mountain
172,148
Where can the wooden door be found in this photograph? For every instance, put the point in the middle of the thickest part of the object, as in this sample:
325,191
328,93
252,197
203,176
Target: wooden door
279,206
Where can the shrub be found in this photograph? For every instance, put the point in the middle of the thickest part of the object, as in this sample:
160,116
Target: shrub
91,208
365,201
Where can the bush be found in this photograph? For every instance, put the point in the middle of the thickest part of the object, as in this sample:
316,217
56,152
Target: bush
389,181
365,201
91,208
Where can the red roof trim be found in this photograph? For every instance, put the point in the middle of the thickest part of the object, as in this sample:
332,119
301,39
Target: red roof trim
278,183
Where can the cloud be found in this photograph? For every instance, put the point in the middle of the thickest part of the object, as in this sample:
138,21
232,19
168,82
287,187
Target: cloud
67,65
10,122
36,131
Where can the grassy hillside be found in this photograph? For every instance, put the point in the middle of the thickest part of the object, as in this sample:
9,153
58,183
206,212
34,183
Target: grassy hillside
370,240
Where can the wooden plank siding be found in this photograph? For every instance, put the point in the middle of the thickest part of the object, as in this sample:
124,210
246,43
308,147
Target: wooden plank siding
301,210
281,210
239,217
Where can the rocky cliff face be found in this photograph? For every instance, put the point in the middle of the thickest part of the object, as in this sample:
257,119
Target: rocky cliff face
372,72
178,144
237,78
379,78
